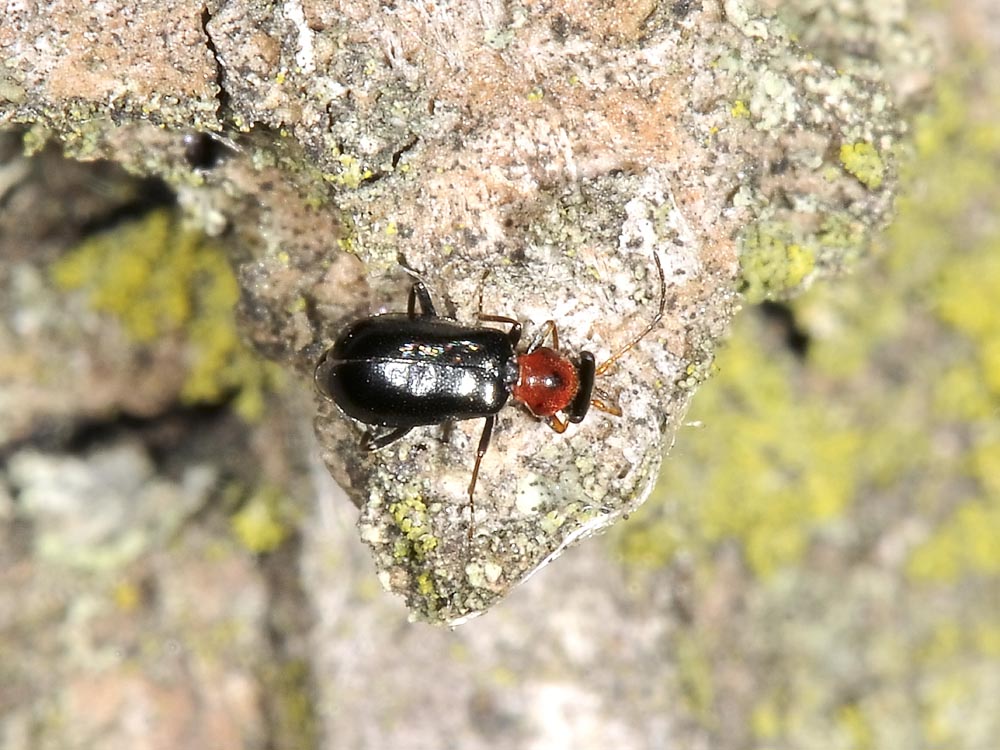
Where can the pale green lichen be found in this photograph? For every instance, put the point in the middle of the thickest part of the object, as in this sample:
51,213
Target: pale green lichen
694,672
778,259
772,261
159,279
289,694
885,430
780,474
840,236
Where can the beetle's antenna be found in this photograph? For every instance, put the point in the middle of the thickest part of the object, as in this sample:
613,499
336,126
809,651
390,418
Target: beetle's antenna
604,366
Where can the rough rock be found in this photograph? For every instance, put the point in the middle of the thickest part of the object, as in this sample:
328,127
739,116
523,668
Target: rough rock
556,147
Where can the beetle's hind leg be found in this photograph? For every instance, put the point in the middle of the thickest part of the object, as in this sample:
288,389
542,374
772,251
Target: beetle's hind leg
418,292
372,442
484,444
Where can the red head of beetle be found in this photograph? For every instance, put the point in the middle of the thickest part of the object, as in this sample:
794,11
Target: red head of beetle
546,382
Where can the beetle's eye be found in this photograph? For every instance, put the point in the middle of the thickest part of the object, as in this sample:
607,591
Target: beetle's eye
202,151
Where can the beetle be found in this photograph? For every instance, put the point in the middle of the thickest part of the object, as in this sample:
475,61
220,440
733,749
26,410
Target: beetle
397,371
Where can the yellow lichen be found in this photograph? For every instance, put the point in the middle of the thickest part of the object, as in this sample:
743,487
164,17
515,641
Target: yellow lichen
766,720
262,524
413,522
857,727
425,584
127,596
292,718
878,445
777,468
351,175
863,161
968,298
159,279
967,543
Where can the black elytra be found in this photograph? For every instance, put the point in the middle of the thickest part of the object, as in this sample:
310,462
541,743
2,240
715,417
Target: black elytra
396,371
403,371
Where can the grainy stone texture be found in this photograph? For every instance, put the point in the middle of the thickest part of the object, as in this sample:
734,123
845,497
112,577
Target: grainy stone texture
531,159
134,611
121,60
557,147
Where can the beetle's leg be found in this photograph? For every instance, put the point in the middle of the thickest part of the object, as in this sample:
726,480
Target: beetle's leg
557,424
602,402
372,442
514,334
482,286
549,328
419,292
484,444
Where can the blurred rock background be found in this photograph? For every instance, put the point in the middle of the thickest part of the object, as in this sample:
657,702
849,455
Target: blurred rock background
819,567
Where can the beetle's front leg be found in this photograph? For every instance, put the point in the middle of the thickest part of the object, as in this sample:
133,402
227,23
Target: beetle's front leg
558,425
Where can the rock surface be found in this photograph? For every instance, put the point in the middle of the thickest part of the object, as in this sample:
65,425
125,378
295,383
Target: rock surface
766,595
528,159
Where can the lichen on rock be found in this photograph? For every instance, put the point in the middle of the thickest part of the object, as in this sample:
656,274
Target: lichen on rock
530,159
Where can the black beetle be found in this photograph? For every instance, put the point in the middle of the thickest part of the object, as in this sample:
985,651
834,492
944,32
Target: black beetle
403,370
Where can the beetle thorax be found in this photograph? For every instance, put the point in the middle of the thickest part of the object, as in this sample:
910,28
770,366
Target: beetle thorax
547,381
